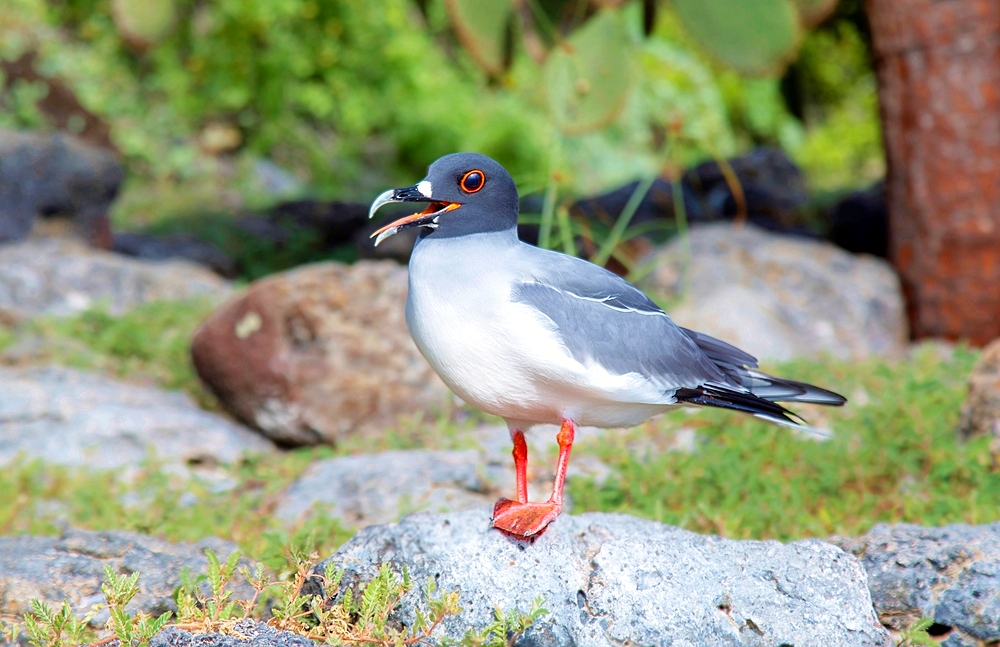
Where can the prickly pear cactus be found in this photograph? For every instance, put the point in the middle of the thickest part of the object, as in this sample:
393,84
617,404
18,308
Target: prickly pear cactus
754,37
482,28
814,12
588,77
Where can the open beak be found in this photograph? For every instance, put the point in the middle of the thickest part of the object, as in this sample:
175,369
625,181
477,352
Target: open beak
426,218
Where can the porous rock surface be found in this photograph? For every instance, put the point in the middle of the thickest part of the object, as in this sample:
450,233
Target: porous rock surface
246,633
69,417
950,574
61,276
612,580
981,413
780,297
318,353
71,568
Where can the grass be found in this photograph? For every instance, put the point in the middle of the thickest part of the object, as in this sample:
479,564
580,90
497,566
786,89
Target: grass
149,344
893,457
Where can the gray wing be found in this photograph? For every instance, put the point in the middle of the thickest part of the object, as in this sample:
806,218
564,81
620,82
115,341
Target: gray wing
603,319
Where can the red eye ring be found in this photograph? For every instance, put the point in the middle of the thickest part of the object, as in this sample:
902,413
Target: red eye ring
462,184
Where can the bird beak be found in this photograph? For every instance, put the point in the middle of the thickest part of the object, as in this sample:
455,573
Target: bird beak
426,218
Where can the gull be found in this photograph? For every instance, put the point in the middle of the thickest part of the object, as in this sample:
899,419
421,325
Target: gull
539,337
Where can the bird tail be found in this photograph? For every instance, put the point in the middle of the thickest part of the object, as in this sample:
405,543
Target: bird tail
726,397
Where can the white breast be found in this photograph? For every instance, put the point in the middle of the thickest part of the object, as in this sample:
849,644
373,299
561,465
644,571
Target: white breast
500,356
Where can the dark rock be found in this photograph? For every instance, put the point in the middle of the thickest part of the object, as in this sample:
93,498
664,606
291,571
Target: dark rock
981,413
246,633
773,188
71,568
335,223
186,246
859,222
317,353
950,574
612,580
50,175
68,417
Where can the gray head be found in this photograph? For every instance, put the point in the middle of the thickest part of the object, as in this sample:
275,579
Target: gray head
468,193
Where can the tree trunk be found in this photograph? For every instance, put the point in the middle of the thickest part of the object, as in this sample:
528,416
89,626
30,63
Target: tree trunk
938,66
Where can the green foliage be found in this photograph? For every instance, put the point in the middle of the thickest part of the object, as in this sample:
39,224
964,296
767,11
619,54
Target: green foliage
916,634
894,457
482,28
756,38
506,627
320,86
131,630
149,342
589,76
47,627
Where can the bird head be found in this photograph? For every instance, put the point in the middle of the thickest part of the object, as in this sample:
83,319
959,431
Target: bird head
467,193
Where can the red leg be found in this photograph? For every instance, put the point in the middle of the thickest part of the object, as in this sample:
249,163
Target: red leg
520,464
565,439
521,518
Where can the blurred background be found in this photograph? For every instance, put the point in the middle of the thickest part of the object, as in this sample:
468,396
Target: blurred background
186,275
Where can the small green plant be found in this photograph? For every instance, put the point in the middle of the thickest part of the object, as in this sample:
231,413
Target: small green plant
48,627
507,626
130,630
916,634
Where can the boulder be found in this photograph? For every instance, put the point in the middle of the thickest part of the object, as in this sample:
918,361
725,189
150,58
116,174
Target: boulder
981,413
612,580
68,417
54,276
55,174
949,574
380,488
780,297
71,568
318,353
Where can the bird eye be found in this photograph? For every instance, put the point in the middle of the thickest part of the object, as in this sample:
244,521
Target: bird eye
472,181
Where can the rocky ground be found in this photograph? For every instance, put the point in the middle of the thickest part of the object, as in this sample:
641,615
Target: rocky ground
320,355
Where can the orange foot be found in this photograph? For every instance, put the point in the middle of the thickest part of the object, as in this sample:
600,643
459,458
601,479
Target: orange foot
524,520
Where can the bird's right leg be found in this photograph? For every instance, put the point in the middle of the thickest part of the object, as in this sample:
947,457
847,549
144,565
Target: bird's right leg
520,464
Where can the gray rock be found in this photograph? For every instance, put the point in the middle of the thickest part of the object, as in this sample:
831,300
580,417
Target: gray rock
187,246
612,580
950,574
780,297
73,418
379,488
71,568
44,174
981,413
248,633
61,277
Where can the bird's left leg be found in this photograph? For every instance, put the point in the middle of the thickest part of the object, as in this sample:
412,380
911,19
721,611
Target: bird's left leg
523,519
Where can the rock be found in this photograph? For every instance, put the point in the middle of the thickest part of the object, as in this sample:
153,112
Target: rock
246,633
62,277
71,567
274,180
612,579
773,188
44,175
68,417
779,297
186,246
379,488
859,222
981,413
318,353
950,574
